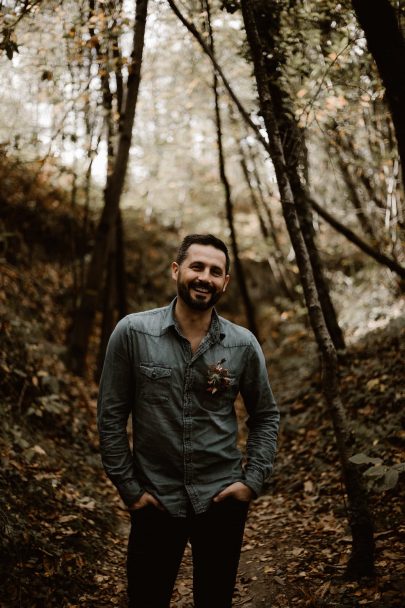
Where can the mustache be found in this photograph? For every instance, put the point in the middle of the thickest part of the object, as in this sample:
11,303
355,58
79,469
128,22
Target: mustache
204,285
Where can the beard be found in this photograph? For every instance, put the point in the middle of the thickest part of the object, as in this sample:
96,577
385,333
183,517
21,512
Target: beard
184,292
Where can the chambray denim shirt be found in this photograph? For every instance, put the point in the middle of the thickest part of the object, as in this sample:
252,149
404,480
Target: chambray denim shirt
184,438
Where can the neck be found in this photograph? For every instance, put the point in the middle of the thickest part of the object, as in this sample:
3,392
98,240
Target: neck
192,322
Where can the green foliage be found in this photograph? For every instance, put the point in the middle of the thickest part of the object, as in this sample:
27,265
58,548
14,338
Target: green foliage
379,476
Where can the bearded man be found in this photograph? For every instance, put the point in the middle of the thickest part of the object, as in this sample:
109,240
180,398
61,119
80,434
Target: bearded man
178,370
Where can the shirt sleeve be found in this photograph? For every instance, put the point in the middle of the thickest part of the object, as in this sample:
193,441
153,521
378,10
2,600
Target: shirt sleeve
263,419
115,398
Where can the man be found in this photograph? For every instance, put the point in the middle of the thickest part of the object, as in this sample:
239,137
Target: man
178,371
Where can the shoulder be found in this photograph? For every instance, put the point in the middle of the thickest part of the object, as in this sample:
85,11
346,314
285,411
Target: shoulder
148,321
236,335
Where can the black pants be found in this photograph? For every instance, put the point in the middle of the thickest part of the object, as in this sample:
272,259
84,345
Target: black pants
156,545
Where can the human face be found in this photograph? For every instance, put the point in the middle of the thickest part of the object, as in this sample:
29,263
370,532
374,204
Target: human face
201,278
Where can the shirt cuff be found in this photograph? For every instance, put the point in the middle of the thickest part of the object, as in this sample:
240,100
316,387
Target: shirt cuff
255,481
130,492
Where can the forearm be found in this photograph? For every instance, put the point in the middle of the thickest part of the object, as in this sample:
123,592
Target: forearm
117,460
261,448
115,400
263,421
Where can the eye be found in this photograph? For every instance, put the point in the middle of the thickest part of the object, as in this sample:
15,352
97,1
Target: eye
217,272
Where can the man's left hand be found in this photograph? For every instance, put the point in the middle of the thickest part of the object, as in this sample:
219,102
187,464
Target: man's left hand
236,490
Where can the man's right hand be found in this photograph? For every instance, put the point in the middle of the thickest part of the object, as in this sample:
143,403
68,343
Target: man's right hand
145,500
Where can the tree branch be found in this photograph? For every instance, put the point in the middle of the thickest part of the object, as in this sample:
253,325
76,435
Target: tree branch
356,240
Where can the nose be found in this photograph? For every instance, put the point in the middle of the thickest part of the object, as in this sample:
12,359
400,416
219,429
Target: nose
204,275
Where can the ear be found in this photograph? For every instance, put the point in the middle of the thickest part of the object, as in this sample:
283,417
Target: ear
175,271
227,279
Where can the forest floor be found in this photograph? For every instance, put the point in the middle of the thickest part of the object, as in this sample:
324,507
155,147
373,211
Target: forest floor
63,530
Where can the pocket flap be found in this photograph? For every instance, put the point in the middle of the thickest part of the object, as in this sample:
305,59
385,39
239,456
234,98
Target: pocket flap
155,372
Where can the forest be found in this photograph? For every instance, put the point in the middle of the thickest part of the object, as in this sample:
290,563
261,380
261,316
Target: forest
278,126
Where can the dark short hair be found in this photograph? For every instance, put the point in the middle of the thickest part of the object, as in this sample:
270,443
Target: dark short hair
202,239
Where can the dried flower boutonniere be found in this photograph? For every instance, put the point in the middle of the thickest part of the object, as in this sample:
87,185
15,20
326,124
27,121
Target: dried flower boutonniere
218,379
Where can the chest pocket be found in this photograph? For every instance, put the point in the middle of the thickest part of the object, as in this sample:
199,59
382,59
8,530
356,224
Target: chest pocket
155,382
219,402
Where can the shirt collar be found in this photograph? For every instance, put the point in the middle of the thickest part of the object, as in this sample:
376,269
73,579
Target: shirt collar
215,334
170,320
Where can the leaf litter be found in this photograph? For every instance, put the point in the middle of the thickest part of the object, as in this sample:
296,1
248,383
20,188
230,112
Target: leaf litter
64,530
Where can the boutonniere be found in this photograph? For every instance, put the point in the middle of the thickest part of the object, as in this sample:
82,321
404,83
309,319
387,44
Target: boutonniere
218,379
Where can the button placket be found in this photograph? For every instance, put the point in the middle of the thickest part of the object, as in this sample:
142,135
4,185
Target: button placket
187,419
187,422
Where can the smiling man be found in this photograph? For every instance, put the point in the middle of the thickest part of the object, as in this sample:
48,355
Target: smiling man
178,371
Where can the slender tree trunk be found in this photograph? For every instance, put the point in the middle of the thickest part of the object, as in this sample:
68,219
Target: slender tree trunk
115,289
362,559
109,306
121,276
280,256
118,63
114,298
83,321
355,199
266,206
295,153
330,314
240,273
386,43
274,265
348,148
301,198
107,96
277,261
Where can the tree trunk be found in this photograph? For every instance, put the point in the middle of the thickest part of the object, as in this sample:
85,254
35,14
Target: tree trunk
330,314
121,277
348,148
386,43
301,198
280,257
82,325
109,307
361,562
107,96
277,261
354,198
295,153
274,263
240,273
114,298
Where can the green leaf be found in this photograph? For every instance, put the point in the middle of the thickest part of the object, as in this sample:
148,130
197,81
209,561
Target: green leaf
391,478
376,471
364,459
